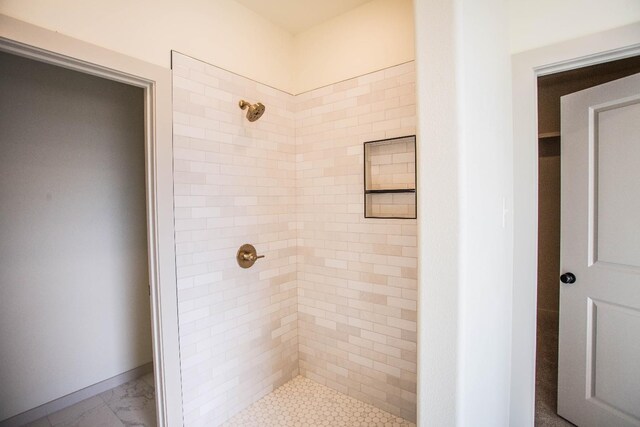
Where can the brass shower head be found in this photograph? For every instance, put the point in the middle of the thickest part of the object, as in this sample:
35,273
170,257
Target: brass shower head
254,111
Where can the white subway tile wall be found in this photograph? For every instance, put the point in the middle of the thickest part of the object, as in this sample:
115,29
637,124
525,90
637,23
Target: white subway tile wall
335,297
356,276
234,184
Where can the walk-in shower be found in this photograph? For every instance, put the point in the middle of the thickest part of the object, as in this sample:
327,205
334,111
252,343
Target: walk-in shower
322,330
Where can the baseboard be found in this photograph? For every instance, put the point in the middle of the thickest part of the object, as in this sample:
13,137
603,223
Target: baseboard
75,397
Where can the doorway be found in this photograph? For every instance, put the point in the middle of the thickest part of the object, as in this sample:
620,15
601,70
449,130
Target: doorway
550,89
30,41
76,323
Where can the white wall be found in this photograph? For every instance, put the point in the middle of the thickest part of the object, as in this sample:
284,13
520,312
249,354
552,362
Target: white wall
74,302
464,237
221,32
484,70
543,22
376,35
438,229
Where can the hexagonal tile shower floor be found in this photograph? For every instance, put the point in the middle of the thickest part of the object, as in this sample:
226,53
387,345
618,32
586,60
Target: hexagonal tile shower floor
305,403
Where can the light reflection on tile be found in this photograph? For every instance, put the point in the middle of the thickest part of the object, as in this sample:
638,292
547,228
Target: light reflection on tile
100,416
302,402
133,403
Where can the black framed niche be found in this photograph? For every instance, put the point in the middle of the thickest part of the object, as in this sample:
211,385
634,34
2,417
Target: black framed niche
390,178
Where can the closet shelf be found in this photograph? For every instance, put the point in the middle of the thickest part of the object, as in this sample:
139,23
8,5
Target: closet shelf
548,135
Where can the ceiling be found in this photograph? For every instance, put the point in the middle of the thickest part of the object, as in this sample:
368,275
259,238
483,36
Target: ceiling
296,16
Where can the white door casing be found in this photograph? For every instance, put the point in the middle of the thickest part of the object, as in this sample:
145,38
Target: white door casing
599,342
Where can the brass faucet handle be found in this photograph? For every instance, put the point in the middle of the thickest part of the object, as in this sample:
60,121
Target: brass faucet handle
247,256
250,256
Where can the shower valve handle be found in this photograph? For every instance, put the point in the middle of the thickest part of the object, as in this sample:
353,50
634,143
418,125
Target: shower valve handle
247,256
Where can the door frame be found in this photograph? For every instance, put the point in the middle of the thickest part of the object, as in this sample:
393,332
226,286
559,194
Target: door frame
42,45
594,49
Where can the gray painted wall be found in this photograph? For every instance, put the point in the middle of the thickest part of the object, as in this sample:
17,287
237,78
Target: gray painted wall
74,307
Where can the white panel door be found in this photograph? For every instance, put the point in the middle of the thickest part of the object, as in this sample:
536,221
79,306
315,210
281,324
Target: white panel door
599,346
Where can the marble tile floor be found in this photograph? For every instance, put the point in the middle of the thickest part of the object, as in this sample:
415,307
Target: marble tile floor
547,371
131,404
305,403
300,402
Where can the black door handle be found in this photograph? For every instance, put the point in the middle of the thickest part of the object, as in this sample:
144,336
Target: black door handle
568,278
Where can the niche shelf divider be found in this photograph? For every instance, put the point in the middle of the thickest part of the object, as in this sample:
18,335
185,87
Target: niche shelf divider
390,178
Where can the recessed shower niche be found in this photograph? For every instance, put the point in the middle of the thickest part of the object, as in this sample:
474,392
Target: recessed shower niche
390,178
